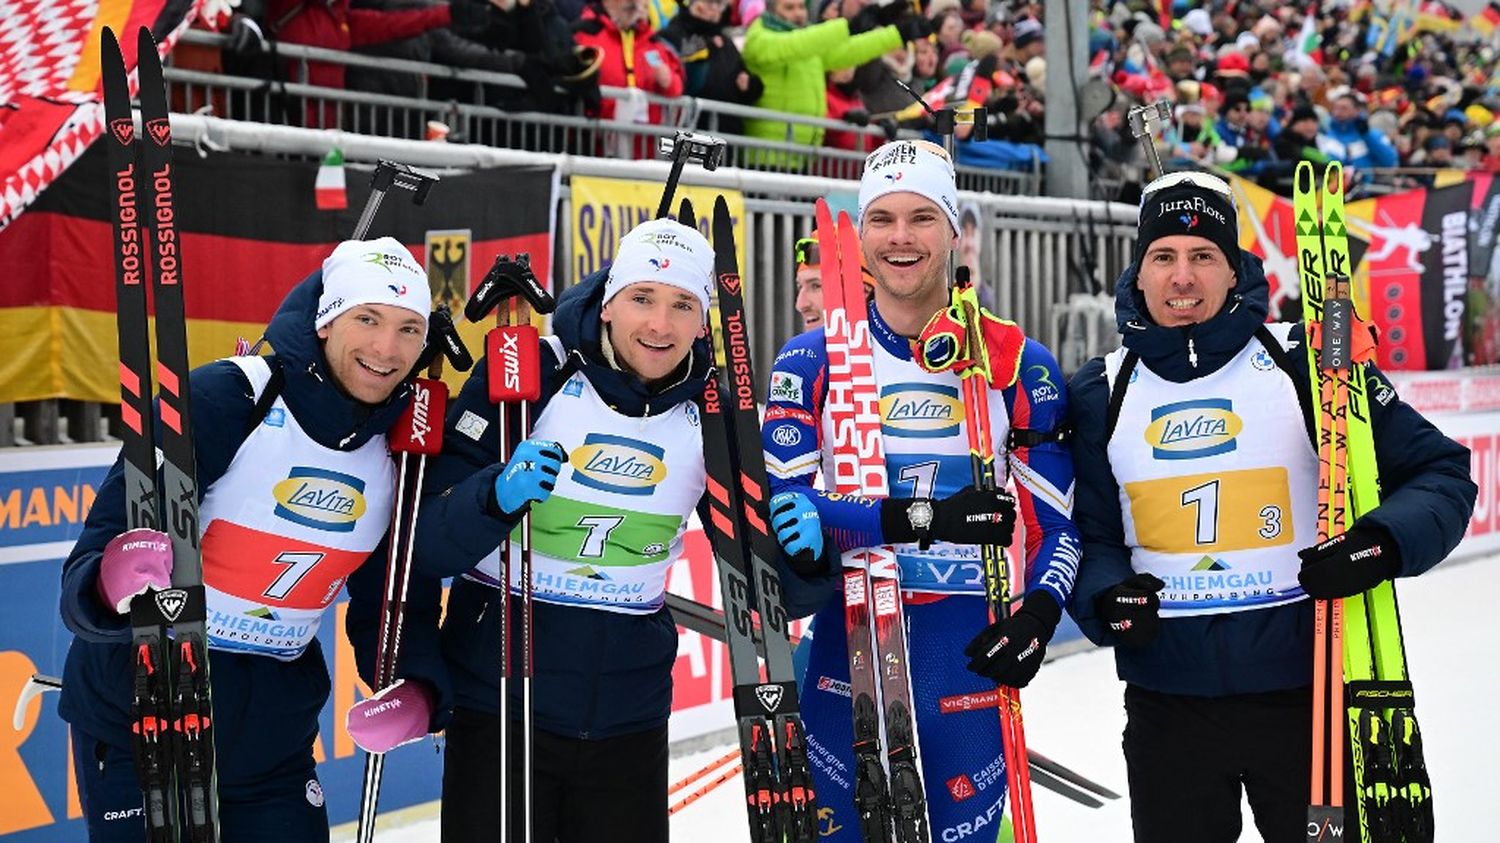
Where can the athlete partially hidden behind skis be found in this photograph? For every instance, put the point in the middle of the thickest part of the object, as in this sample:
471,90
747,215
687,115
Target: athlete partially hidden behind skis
611,473
935,518
1197,495
345,341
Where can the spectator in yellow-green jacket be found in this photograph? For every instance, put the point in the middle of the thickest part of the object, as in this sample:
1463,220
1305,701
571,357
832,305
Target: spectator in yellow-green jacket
791,58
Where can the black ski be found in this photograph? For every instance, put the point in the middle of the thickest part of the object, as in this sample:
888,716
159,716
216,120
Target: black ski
171,711
778,781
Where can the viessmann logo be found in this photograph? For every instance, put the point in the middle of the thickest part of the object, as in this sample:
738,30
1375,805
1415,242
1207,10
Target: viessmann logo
920,410
320,499
1191,429
618,464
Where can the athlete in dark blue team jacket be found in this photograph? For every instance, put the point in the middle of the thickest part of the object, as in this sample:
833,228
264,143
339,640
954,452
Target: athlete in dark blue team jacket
268,675
907,231
1196,490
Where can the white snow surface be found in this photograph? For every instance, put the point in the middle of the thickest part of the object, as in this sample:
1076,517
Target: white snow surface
1074,714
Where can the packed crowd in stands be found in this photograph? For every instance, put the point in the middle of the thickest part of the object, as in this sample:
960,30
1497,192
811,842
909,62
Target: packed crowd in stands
1255,86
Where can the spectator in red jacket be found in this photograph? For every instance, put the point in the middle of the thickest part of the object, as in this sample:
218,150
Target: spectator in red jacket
633,57
335,25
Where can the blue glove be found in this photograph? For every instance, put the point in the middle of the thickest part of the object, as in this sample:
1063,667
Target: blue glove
800,532
530,475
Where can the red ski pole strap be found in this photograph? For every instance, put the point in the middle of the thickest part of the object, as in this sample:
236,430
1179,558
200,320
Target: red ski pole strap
420,428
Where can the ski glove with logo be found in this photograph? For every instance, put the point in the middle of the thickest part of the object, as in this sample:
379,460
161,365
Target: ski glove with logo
1010,651
1349,564
968,516
529,477
134,561
800,532
1132,609
395,716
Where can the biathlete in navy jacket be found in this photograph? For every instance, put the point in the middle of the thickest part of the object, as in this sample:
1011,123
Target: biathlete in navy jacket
345,341
935,518
611,474
1197,494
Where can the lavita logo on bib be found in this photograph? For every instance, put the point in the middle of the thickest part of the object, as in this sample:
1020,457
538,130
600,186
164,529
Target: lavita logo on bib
1191,429
920,410
618,464
320,499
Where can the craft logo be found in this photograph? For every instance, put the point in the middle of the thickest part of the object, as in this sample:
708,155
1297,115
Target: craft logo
618,464
320,499
330,307
920,410
961,787
1188,430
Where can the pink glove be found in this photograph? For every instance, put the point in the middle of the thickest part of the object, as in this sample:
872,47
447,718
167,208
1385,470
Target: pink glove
134,561
397,715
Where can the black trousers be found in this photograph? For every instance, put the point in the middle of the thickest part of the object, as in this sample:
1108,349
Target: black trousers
1188,758
582,790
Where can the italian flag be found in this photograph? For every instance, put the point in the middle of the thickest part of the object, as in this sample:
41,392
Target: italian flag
330,194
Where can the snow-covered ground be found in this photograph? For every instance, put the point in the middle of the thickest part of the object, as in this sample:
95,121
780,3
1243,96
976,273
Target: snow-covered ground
1074,715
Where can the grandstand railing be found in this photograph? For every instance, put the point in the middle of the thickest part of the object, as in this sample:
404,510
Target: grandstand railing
1039,256
293,100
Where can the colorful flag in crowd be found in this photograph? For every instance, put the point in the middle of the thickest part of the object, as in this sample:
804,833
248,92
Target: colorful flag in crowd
329,192
50,83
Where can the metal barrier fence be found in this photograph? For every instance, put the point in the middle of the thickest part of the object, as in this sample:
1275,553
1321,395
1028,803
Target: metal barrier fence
1037,254
294,101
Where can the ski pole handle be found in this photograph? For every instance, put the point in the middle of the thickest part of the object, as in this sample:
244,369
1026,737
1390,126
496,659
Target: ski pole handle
1142,127
515,367
420,428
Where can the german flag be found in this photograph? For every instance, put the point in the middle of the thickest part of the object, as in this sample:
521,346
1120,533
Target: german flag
250,231
1487,21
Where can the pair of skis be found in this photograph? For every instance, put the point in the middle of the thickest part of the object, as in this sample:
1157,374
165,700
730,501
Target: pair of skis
1045,772
171,713
888,791
773,748
1360,681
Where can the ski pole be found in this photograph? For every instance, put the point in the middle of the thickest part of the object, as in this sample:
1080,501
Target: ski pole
513,348
390,175
704,770
682,148
416,436
1144,120
706,789
975,382
34,687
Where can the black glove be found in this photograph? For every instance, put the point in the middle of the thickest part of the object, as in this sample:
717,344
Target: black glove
470,16
1010,651
1132,609
857,117
876,15
968,516
245,37
1349,564
914,28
